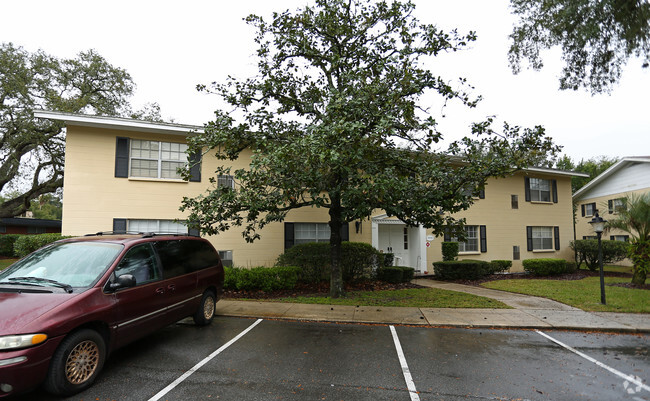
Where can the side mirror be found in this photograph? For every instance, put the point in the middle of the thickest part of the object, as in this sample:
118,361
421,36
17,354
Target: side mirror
123,281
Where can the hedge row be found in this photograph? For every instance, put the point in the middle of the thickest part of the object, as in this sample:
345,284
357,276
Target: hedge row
548,266
16,245
261,278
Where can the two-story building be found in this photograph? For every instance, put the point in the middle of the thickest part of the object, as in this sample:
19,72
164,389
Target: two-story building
120,175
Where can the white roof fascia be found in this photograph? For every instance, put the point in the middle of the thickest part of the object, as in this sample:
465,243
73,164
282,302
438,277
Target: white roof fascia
602,176
554,171
119,123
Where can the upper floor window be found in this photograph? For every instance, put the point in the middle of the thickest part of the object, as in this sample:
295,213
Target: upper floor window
540,190
226,181
154,159
616,205
590,209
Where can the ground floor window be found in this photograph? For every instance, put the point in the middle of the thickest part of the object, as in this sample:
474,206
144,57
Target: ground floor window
226,258
311,232
471,240
542,238
156,226
35,230
624,238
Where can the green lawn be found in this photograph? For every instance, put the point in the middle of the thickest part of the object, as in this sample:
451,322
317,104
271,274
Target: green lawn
583,294
418,297
618,269
6,262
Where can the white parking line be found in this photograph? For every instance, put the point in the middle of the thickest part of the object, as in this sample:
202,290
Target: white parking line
630,379
405,368
198,366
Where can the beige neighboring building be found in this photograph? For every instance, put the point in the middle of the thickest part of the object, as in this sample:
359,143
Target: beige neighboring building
120,174
605,193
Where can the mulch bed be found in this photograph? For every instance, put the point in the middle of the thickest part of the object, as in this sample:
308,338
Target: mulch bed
323,288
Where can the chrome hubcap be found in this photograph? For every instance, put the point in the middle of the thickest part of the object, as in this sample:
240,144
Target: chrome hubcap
82,362
208,308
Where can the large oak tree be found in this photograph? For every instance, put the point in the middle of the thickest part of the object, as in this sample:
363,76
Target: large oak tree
334,120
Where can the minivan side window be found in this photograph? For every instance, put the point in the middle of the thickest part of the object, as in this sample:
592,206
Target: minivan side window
182,257
139,261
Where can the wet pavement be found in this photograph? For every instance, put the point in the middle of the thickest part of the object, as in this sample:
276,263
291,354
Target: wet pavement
294,360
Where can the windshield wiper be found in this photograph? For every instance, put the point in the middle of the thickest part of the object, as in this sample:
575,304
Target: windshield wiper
66,287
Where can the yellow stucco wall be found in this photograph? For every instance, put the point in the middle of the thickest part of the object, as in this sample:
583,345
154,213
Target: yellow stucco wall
93,197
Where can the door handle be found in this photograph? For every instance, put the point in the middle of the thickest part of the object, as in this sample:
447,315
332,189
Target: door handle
160,290
171,287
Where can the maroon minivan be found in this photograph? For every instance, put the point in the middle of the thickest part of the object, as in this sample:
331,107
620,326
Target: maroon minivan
65,307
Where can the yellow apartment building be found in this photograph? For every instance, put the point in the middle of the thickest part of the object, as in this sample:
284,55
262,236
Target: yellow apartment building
120,175
605,193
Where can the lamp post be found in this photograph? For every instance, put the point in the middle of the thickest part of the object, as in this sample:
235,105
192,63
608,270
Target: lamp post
598,224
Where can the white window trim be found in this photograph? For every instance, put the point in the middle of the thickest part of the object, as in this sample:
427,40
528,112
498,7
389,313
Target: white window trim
159,161
539,191
551,249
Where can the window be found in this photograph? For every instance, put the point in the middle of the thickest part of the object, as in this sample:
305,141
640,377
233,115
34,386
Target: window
540,190
406,238
542,238
156,226
514,201
589,237
153,159
616,205
35,230
624,238
471,240
311,232
516,254
590,209
226,258
140,262
226,181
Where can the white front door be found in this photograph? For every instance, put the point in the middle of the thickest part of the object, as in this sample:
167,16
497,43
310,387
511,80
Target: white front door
393,238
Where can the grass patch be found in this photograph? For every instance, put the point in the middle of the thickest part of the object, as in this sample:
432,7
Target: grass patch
4,263
413,297
618,269
583,294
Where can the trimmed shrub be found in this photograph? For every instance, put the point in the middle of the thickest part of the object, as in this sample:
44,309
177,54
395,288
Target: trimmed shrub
359,260
390,274
27,244
449,251
587,252
545,266
7,244
497,266
261,278
407,273
461,269
386,259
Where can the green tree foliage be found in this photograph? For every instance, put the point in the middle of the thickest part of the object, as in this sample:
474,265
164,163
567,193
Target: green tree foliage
597,38
593,166
635,220
333,121
32,150
47,206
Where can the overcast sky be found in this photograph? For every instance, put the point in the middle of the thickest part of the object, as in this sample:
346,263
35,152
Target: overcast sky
170,46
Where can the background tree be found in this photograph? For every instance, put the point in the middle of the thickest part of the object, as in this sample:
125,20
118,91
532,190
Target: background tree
634,219
593,166
32,150
333,120
597,38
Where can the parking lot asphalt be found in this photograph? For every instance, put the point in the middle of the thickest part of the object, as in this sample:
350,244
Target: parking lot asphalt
260,359
527,313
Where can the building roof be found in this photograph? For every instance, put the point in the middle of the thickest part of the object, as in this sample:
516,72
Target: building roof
28,222
621,164
118,123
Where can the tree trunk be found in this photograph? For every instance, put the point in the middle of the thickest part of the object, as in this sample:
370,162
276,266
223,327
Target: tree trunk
639,276
336,277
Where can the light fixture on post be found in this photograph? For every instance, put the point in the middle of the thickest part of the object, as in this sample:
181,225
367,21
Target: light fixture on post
598,224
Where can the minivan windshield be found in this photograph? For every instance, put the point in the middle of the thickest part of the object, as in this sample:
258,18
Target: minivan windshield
73,264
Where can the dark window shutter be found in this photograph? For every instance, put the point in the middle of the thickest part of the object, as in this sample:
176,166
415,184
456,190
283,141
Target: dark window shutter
556,234
195,166
527,188
529,237
627,238
481,194
583,210
593,207
447,236
122,157
288,235
610,206
119,226
584,237
554,182
483,232
611,237
345,232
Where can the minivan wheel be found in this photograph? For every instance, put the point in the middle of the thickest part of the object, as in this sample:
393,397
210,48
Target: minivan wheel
76,363
205,312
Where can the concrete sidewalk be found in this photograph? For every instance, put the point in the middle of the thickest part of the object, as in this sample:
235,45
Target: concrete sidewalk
528,312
